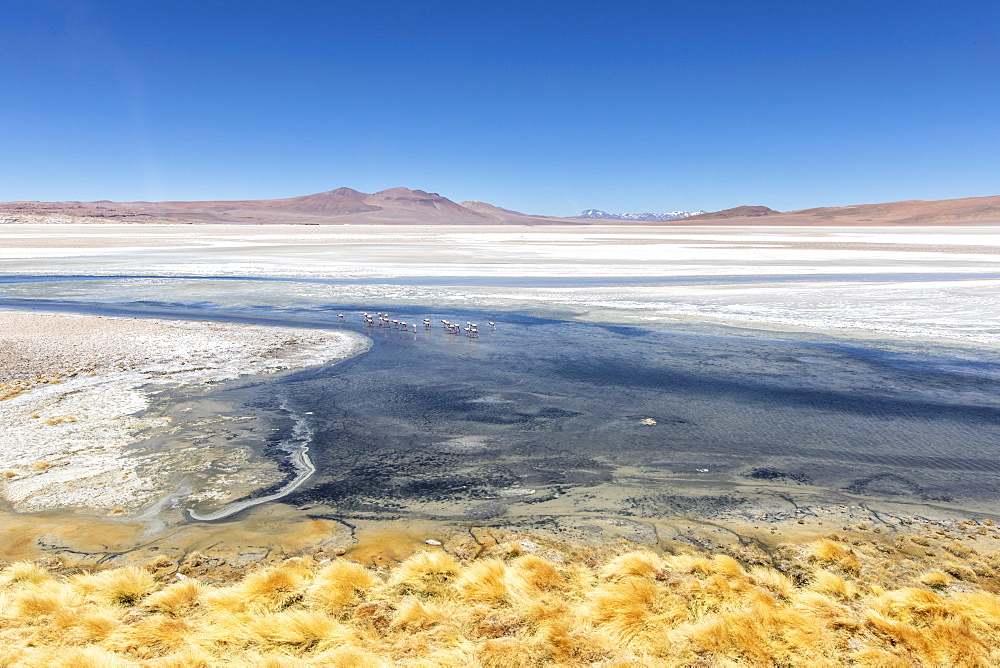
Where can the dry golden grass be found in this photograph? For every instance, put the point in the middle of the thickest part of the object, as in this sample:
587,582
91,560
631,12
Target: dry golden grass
18,386
828,603
60,419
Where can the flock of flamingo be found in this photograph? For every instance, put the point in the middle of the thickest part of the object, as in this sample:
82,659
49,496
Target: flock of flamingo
471,329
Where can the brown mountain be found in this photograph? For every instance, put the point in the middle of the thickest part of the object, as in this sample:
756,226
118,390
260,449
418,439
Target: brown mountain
342,205
736,212
945,212
402,206
491,211
966,211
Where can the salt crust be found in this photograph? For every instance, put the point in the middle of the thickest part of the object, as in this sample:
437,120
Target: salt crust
73,454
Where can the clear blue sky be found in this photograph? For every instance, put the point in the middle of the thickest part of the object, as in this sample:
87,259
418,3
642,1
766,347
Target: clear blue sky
544,107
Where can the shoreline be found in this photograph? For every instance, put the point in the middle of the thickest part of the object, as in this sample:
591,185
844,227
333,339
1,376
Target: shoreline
220,506
298,451
920,314
79,391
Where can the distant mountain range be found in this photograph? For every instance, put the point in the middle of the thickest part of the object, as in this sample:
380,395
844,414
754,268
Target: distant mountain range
404,206
639,217
342,205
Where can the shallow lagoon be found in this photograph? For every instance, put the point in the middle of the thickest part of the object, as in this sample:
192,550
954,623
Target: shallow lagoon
538,425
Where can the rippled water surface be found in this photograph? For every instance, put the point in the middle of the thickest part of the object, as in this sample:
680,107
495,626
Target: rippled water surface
543,418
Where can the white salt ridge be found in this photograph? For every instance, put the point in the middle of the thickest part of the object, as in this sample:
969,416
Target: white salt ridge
84,462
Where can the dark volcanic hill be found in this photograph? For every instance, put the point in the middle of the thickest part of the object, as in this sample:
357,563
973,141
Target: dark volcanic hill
343,205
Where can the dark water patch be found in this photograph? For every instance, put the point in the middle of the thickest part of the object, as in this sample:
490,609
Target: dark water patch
550,420
322,316
774,475
625,375
429,424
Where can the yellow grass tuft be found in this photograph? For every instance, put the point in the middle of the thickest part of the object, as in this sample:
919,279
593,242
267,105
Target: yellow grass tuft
355,657
835,554
725,565
637,608
534,575
86,625
415,614
271,588
429,573
303,628
825,609
175,598
689,563
153,637
23,571
910,604
980,608
77,657
935,578
340,584
121,586
43,599
827,582
59,419
186,658
484,581
773,581
638,564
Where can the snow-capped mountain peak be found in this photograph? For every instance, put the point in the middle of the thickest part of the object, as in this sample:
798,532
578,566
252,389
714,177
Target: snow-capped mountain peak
638,217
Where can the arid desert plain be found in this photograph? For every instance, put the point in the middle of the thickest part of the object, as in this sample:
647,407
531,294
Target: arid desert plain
175,387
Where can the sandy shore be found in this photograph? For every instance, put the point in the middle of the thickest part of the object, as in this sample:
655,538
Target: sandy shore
78,391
